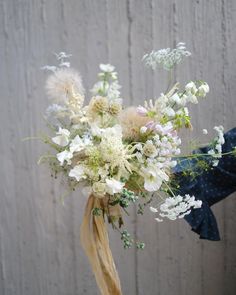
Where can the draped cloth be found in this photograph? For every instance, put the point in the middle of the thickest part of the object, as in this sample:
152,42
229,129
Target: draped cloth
210,187
95,242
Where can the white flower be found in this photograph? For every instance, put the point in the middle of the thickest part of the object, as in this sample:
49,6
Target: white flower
203,90
64,156
62,83
114,186
216,151
153,177
177,207
115,131
106,68
167,58
220,131
63,137
142,111
204,131
152,209
77,172
211,152
169,112
175,98
215,163
78,144
191,88
95,130
143,129
192,98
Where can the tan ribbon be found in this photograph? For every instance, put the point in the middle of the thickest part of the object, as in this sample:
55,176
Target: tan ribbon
95,242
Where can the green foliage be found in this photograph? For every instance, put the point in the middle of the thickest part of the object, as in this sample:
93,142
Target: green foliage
97,211
128,241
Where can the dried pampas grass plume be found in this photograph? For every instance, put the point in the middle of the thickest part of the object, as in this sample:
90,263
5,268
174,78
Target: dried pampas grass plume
131,122
64,83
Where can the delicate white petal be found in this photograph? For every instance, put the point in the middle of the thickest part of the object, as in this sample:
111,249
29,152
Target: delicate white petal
154,210
64,156
114,186
77,172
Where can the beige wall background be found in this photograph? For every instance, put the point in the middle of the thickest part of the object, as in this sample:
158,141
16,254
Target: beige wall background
40,253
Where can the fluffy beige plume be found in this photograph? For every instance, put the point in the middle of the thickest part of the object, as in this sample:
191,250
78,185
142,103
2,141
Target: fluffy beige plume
63,84
131,123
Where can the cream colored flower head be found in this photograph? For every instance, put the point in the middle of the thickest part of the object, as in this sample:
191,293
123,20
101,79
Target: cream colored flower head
131,123
114,108
98,105
63,84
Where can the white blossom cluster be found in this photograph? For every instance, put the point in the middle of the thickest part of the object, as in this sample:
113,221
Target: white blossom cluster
110,150
166,58
176,207
108,83
63,62
216,150
155,155
173,104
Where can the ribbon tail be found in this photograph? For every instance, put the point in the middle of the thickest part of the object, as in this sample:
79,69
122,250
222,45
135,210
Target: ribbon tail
95,242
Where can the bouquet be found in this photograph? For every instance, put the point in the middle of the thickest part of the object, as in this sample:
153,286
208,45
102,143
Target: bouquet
120,155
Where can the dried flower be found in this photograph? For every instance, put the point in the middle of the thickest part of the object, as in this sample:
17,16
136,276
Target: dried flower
64,83
131,123
99,104
114,108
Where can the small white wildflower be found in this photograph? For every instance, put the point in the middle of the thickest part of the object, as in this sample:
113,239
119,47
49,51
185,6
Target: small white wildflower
114,186
203,90
204,131
142,111
178,206
167,58
191,88
153,177
152,209
175,98
77,172
158,219
78,143
215,163
64,156
106,68
192,98
62,137
143,129
169,112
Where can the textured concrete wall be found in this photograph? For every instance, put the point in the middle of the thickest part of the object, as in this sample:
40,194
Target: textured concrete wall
40,252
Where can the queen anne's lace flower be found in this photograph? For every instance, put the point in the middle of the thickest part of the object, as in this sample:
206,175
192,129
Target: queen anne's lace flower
167,58
177,207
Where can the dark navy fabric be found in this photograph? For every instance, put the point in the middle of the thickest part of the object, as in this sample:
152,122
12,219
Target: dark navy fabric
209,186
